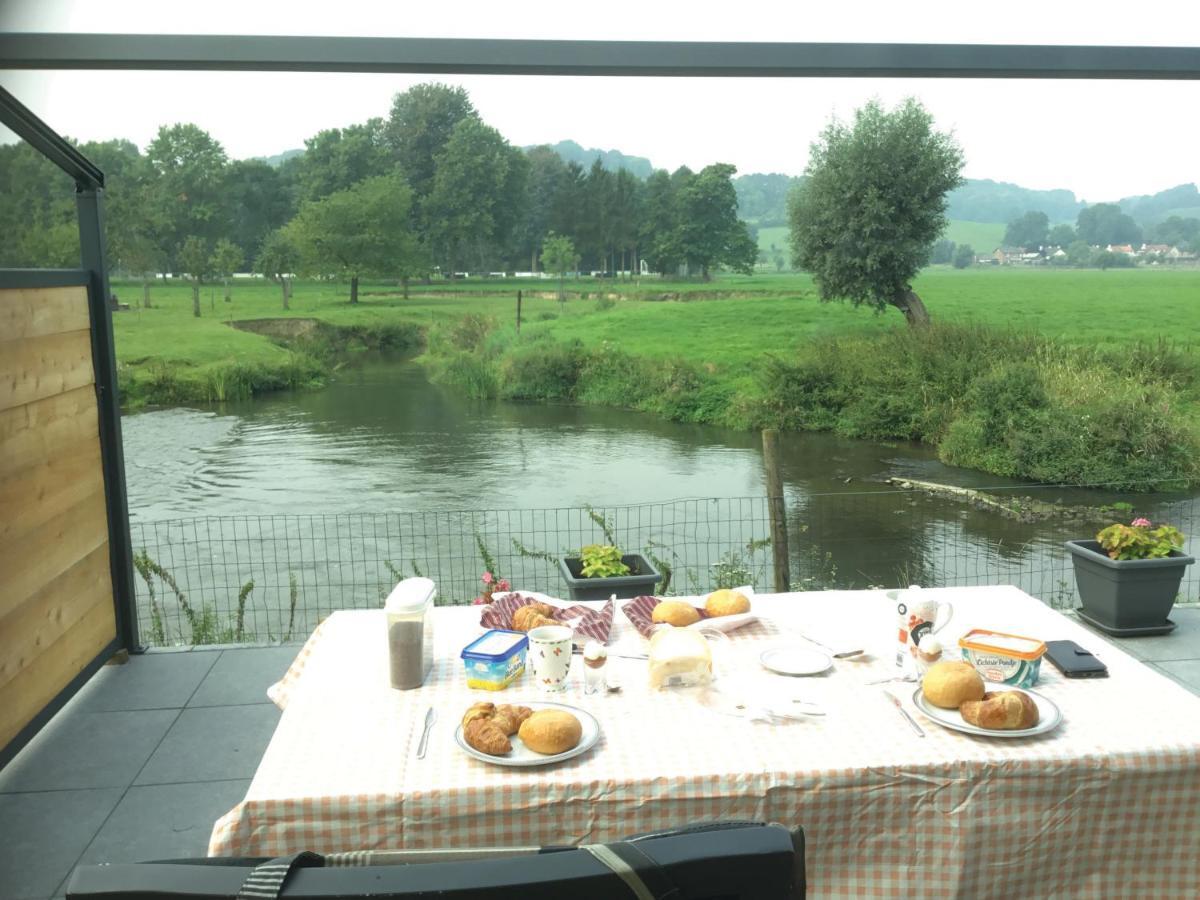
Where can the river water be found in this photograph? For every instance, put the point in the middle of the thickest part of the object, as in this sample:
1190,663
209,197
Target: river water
323,497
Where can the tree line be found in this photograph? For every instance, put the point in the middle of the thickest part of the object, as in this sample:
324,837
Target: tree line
431,188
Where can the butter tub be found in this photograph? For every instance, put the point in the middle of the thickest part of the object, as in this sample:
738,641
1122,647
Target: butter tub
1007,659
495,660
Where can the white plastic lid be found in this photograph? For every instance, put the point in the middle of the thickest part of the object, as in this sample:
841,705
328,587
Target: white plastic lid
410,596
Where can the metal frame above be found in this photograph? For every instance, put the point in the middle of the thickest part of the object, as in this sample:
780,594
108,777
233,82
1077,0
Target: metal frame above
46,140
262,53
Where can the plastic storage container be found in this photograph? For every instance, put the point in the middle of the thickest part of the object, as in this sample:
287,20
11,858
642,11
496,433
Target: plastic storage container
409,611
1003,658
495,660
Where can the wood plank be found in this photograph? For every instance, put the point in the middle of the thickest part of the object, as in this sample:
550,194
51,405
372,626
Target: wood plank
38,367
62,424
53,611
39,493
33,312
32,560
40,681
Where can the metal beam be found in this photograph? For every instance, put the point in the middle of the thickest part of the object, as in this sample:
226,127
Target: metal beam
45,139
262,53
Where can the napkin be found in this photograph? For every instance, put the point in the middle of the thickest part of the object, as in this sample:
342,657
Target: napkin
588,623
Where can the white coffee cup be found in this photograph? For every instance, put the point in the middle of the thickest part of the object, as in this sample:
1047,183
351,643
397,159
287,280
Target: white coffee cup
549,656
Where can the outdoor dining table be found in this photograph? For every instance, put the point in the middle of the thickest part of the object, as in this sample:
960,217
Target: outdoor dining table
1105,805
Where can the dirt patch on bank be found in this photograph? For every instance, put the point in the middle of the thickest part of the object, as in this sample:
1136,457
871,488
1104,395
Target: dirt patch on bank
288,329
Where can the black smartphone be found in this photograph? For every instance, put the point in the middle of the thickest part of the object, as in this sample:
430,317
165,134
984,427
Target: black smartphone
1073,661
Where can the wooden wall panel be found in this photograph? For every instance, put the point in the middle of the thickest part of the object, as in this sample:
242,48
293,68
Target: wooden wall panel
56,598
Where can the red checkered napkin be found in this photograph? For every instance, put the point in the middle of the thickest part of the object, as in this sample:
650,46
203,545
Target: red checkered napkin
639,611
588,623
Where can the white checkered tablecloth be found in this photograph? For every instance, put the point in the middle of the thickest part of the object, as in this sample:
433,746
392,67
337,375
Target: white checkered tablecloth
1108,805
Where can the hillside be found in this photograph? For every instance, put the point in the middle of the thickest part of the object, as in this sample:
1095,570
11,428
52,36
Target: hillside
613,160
982,237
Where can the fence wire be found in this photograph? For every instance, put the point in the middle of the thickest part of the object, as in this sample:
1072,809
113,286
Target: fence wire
237,579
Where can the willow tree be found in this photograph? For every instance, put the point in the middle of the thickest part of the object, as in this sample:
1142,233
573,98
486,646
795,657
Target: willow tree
865,219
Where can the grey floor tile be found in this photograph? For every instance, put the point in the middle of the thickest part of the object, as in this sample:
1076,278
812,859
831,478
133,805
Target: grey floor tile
42,834
87,750
164,821
1186,672
243,676
148,681
1182,643
212,744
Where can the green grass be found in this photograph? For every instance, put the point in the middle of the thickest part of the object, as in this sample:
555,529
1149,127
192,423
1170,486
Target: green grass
777,235
982,237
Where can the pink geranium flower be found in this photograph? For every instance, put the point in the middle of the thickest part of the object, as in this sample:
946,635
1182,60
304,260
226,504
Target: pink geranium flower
1140,523
487,578
503,585
479,601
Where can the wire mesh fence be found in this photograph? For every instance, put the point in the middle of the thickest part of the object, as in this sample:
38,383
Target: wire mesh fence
234,579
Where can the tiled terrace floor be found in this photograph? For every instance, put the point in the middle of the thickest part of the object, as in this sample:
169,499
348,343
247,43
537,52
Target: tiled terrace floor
148,755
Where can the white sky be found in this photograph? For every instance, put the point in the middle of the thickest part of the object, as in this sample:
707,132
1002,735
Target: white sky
1101,139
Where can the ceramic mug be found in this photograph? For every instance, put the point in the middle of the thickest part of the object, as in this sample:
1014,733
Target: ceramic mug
549,656
916,617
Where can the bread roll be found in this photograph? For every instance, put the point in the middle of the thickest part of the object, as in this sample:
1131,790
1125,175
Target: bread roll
949,684
675,612
550,731
1003,710
726,603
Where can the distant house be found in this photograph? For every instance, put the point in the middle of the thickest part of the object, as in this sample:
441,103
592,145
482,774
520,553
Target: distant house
1120,248
1011,256
1156,249
1177,255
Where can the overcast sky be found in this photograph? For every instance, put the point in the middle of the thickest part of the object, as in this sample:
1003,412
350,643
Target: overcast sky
1102,140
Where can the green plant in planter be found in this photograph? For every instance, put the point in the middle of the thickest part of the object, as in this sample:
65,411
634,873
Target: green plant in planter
601,561
1139,540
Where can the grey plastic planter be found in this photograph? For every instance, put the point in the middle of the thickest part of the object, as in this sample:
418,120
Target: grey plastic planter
1126,596
641,580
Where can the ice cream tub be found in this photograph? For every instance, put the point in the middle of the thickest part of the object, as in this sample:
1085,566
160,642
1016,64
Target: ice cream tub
495,659
999,658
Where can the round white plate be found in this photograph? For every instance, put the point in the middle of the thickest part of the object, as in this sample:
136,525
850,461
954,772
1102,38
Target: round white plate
520,755
795,660
1049,717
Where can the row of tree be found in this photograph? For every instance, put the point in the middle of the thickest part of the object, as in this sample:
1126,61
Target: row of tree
1100,225
430,188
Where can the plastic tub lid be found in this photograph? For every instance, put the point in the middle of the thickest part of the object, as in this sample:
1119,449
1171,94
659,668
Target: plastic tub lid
496,645
1013,645
410,596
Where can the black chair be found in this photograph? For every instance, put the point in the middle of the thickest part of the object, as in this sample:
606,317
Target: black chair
721,861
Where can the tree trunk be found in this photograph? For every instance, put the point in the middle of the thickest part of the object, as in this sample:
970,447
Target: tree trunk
533,260
914,310
228,292
283,288
404,287
353,288
145,295
196,297
562,295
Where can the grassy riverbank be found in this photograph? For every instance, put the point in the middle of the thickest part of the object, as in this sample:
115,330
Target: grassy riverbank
1080,376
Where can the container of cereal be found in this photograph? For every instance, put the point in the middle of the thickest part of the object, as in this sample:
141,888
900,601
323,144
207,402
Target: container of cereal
1003,658
495,660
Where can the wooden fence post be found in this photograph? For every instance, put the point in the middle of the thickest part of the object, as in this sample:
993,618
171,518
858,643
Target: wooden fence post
518,312
777,511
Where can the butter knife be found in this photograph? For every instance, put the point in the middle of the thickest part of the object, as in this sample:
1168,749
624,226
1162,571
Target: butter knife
430,718
904,712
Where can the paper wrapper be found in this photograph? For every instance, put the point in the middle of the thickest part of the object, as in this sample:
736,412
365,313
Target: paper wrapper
639,611
587,623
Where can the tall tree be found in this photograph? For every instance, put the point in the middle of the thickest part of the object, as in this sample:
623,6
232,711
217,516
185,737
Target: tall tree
625,210
227,258
421,122
196,260
363,230
964,256
1029,231
258,200
711,234
478,194
1104,223
189,166
278,259
559,257
547,172
874,201
1061,236
338,158
658,230
943,252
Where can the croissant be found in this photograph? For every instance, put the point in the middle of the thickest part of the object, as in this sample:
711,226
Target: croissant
526,618
485,735
510,718
478,711
1003,710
